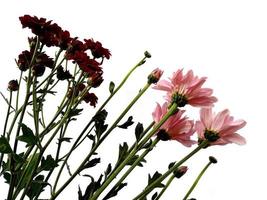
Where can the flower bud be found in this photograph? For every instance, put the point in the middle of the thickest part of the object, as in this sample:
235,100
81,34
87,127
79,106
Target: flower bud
154,76
147,54
213,160
180,171
13,85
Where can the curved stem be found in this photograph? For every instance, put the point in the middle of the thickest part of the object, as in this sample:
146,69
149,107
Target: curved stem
150,187
197,180
141,62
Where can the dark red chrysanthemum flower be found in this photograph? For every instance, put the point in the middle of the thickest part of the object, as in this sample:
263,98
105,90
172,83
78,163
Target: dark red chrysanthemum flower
49,33
98,51
90,98
74,46
95,79
36,25
44,60
13,85
24,60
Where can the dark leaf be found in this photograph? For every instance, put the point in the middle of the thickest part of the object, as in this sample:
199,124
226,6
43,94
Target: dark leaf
48,163
134,158
126,124
155,176
64,139
7,177
27,136
114,191
36,187
138,131
100,116
100,128
123,149
111,87
108,170
154,196
18,158
91,188
4,145
148,144
171,165
92,163
75,112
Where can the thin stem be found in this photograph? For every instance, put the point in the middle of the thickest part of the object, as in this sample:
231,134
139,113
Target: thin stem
150,187
123,164
5,126
17,99
197,180
165,187
141,62
114,125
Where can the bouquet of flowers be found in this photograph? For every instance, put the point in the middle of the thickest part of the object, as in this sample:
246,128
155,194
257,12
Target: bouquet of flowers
36,146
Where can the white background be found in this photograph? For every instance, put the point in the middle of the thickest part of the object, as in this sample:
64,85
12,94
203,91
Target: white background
223,40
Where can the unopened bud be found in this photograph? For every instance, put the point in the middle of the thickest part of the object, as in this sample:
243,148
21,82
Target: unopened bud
13,85
147,54
154,76
213,160
180,171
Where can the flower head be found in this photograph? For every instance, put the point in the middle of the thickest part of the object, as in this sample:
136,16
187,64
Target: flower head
98,51
155,75
176,127
220,128
186,89
13,85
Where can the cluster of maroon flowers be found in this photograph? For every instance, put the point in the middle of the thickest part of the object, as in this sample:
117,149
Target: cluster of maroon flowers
88,55
183,89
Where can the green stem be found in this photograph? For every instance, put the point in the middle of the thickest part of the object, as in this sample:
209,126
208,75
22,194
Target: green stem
165,187
5,126
123,164
17,99
141,62
197,180
114,125
150,187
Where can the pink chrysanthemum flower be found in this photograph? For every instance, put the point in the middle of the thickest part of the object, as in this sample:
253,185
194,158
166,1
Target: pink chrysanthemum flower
220,128
186,89
176,127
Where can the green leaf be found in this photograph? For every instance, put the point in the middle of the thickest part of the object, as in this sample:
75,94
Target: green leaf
114,191
154,196
134,158
36,187
111,87
153,178
123,151
139,129
48,163
64,139
27,136
4,145
92,163
108,170
126,124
